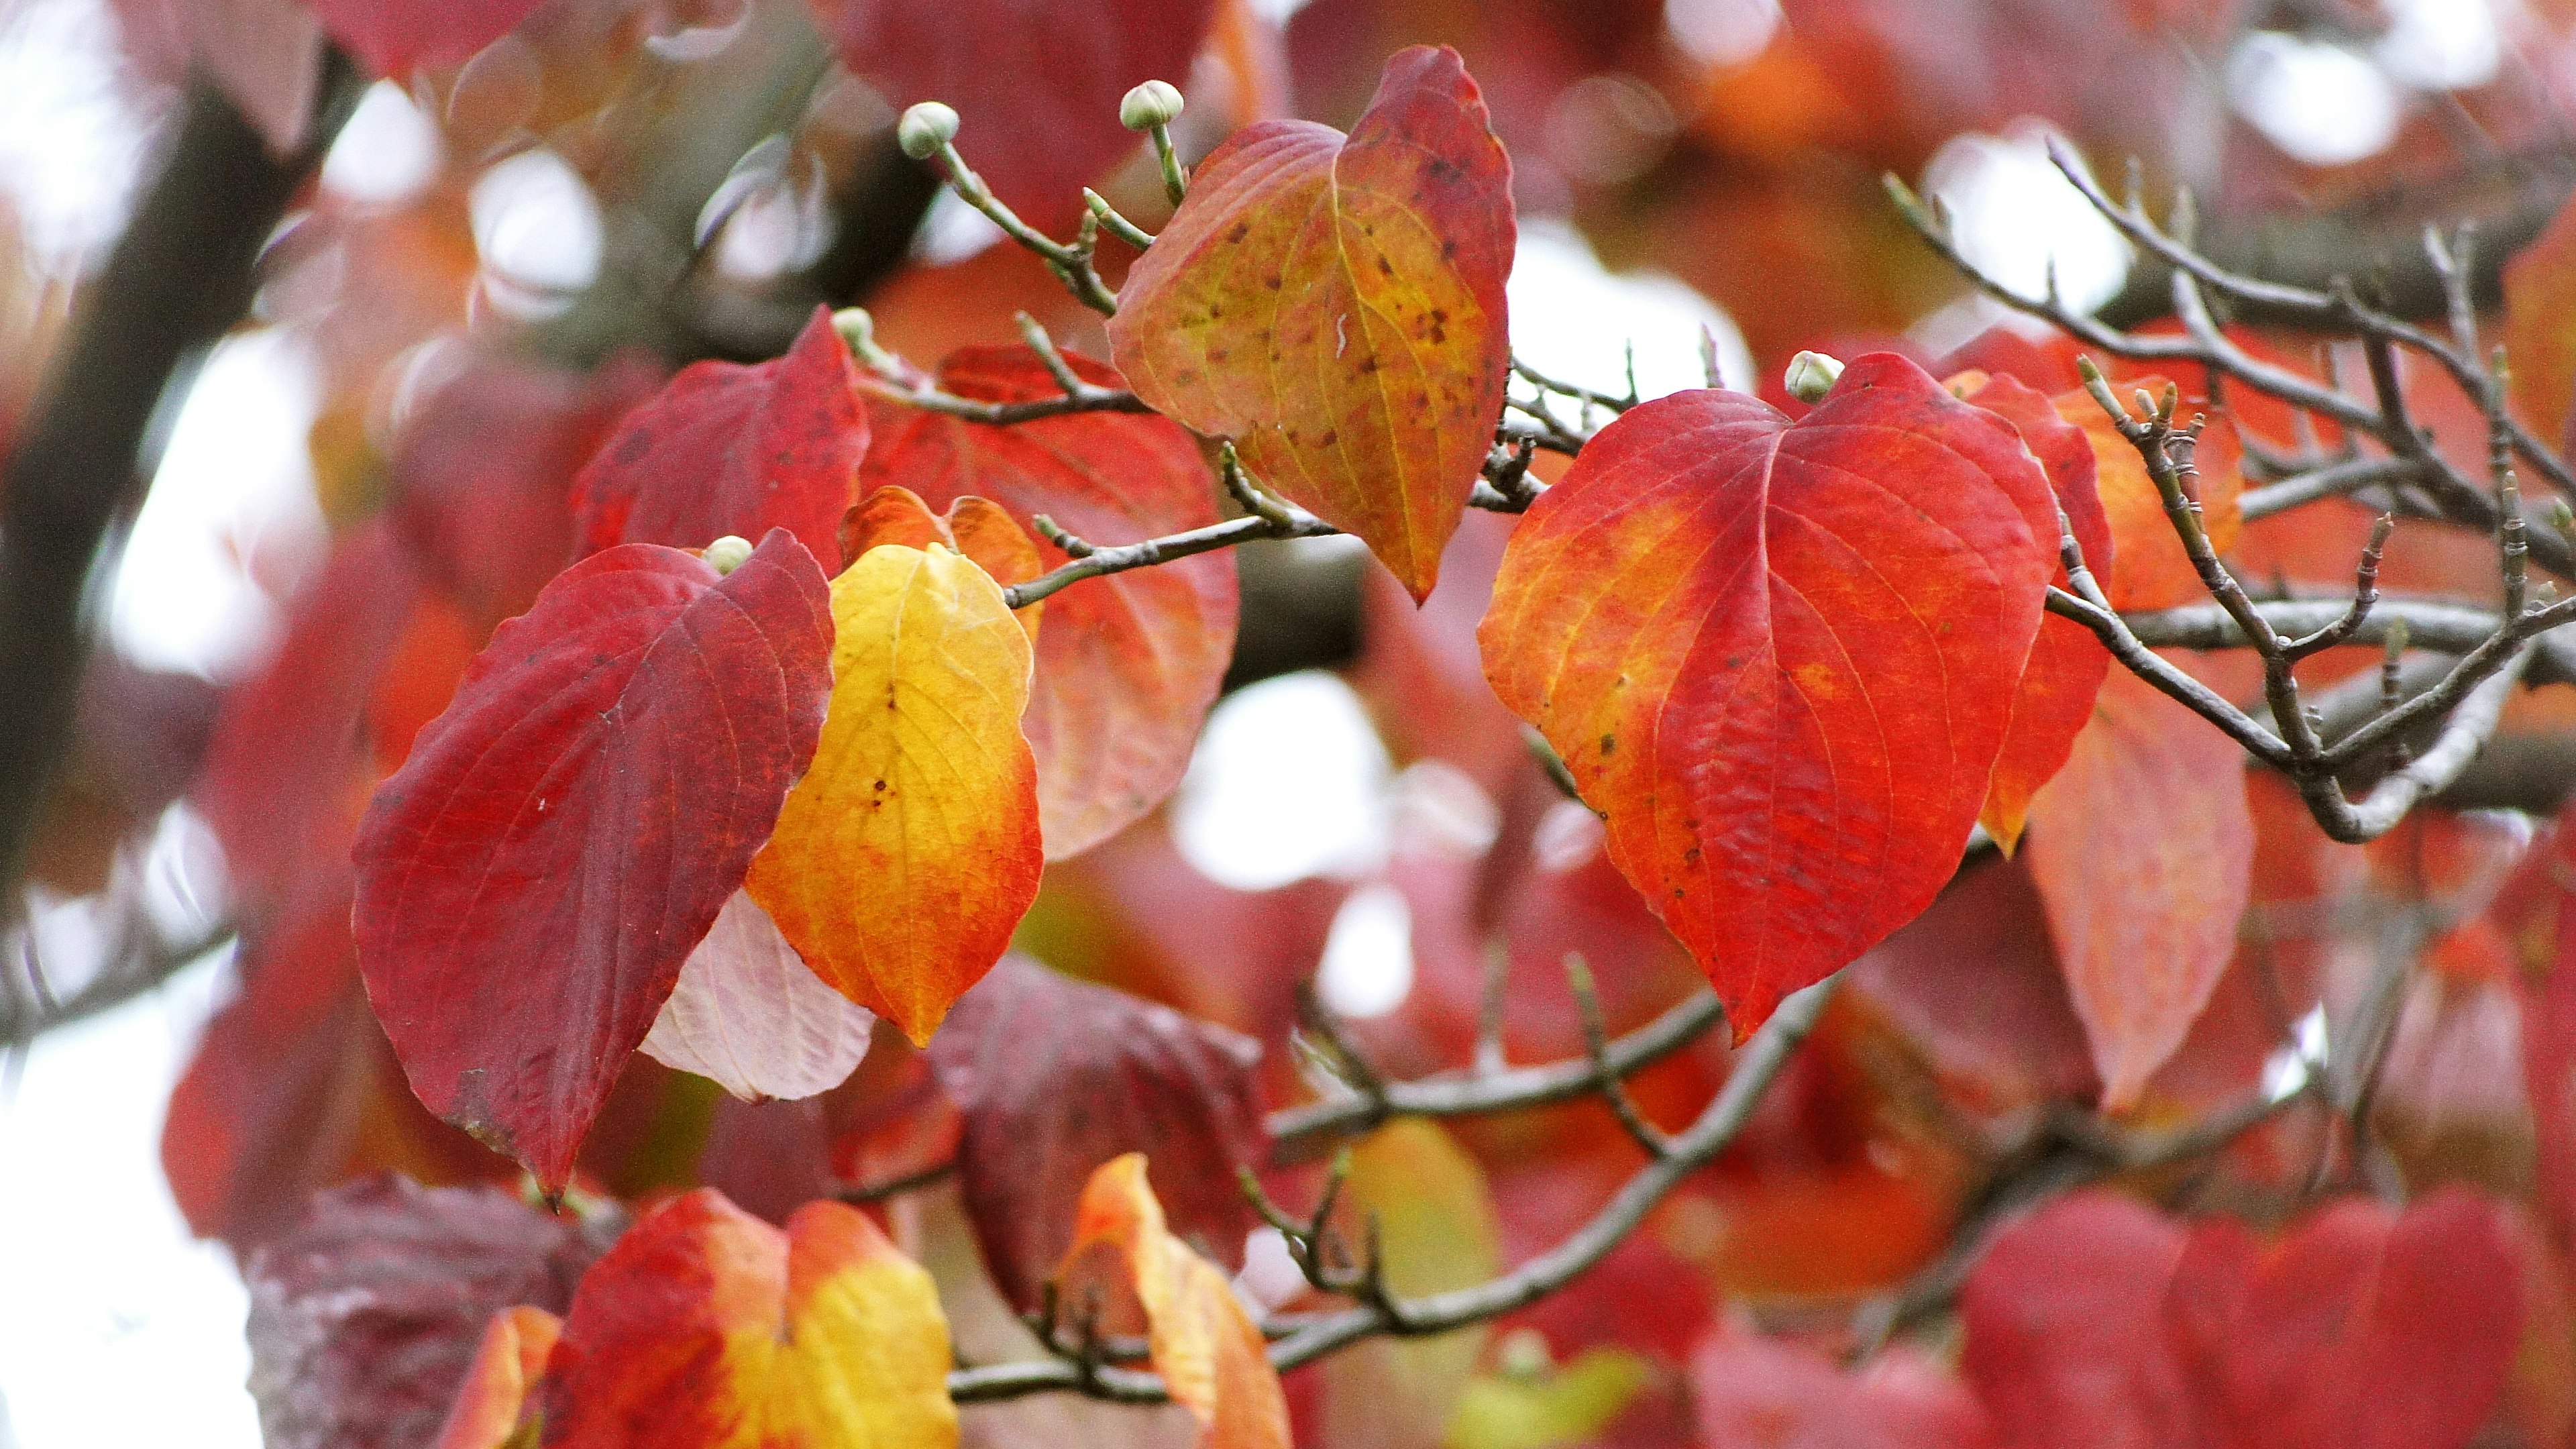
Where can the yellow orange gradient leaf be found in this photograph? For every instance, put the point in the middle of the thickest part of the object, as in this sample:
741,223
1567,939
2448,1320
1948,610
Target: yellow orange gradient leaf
979,528
490,1411
905,858
722,1332
1209,1351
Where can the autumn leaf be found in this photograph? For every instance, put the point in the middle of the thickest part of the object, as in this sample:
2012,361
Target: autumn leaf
2149,569
727,449
1036,83
1335,306
368,1320
1780,657
491,1404
2539,284
979,528
1127,672
1210,1353
2067,663
2142,848
589,802
748,1014
393,39
907,855
1757,1393
719,1330
1055,1077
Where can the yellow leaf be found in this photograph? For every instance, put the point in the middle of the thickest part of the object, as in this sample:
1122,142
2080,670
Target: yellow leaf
905,858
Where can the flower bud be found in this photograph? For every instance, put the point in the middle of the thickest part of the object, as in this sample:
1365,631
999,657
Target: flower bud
1812,375
727,553
925,128
1153,103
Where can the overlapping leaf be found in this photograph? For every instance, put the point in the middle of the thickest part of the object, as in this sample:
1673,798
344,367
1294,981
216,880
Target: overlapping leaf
2067,663
1211,1354
1780,657
1133,660
2142,848
1335,305
1036,82
530,882
1056,1077
492,1403
717,1330
727,449
364,1320
748,1014
907,855
979,528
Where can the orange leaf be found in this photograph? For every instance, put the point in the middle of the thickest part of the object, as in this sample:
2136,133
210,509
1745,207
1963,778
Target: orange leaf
2142,848
1210,1353
492,1401
1780,657
2539,285
2150,569
706,1328
2066,663
1335,306
1127,672
907,855
979,528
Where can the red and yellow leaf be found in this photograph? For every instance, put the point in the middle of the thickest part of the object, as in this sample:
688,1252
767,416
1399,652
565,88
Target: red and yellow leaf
2067,664
1780,657
1335,306
749,1015
706,1328
905,858
727,449
491,1406
979,528
2142,848
1210,1353
1127,671
531,880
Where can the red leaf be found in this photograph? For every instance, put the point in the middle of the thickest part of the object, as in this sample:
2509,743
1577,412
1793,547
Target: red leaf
1335,306
1761,1393
1780,656
726,449
1128,664
2143,848
394,36
364,1320
2067,663
1036,83
2065,1328
589,802
1056,1077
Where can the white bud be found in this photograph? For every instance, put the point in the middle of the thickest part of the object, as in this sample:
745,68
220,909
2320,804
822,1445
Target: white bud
1812,375
1154,103
727,553
925,128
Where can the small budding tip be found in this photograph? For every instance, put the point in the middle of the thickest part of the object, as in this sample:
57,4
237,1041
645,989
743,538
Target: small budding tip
925,128
1150,104
727,553
1811,375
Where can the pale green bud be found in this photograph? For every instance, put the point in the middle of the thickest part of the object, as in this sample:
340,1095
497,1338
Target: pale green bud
925,128
1154,103
1812,375
727,553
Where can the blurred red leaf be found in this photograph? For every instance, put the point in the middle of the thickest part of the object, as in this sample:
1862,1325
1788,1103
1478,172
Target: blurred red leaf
393,36
1335,306
1130,663
727,449
1055,1077
2142,848
2096,1321
365,1319
1763,1393
1036,83
1790,754
635,731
